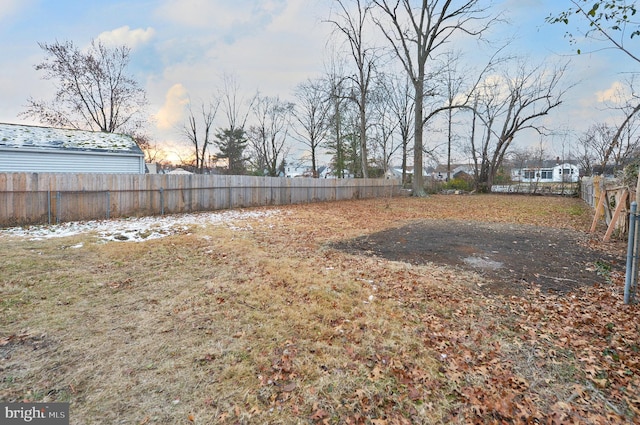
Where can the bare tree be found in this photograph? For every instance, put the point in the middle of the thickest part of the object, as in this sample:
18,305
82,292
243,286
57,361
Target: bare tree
400,100
386,130
453,82
152,152
596,142
507,105
312,114
93,90
335,81
351,23
629,145
231,139
415,34
626,101
199,131
235,106
595,145
585,157
268,136
610,22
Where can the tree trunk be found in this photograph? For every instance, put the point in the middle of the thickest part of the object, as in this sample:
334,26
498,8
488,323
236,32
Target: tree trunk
363,140
449,132
418,180
314,169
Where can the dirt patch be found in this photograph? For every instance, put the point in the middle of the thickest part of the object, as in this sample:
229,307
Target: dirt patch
511,257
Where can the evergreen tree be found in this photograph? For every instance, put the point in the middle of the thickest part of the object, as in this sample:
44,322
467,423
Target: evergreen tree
232,144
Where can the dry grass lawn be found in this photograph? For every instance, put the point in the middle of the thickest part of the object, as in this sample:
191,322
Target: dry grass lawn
263,322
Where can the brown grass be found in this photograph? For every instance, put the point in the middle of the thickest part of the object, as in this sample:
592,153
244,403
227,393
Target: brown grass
266,324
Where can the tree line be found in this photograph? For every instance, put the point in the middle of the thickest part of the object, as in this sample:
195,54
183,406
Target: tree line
358,111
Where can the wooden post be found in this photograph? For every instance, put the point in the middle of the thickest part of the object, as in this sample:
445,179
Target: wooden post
622,203
638,187
603,196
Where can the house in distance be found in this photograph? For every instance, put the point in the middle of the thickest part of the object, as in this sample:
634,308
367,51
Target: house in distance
547,172
25,148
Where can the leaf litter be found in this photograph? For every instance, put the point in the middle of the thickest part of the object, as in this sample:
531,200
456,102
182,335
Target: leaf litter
264,322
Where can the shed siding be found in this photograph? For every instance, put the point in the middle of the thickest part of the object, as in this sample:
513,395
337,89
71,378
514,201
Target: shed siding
23,160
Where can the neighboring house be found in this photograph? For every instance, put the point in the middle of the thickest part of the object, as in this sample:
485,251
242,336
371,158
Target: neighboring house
179,171
547,172
25,148
152,167
426,171
298,170
457,171
393,173
330,173
300,167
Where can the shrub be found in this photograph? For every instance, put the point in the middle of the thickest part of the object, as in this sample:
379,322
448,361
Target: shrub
458,184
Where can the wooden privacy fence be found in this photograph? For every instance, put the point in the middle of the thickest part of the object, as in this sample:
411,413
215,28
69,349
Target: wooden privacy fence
39,198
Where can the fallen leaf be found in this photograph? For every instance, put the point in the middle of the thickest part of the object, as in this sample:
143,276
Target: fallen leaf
319,414
414,394
289,387
376,372
602,383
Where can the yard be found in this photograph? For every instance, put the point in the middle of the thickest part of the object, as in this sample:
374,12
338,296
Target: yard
449,309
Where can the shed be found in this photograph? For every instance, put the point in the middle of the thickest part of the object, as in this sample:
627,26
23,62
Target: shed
25,148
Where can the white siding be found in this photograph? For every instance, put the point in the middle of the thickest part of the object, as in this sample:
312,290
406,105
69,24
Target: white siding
40,161
547,175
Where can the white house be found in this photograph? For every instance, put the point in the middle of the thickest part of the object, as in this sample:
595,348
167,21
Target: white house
393,173
548,172
298,170
25,148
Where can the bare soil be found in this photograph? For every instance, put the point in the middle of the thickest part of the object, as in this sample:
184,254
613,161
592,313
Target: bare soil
511,257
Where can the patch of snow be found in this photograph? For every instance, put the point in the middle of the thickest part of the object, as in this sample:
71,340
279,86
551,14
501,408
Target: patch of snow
137,229
483,263
25,136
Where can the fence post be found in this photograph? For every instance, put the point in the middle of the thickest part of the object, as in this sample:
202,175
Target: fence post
58,202
108,205
48,206
161,201
631,257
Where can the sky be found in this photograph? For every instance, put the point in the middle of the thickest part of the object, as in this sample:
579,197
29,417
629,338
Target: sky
181,49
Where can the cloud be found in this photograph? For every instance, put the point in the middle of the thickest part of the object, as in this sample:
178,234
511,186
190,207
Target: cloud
202,13
226,20
10,7
128,37
298,16
171,112
616,93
